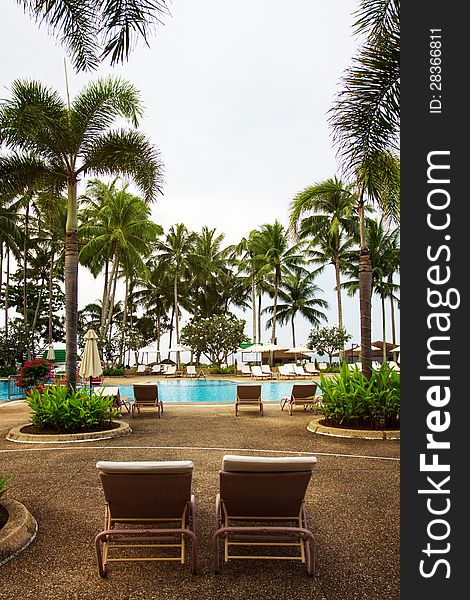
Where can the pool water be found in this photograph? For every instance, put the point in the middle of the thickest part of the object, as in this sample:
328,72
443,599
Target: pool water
220,391
212,390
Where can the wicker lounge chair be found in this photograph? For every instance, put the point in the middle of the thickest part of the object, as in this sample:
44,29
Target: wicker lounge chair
156,498
270,493
146,395
248,395
303,394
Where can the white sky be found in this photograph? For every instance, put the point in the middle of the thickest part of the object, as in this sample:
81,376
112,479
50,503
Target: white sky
236,97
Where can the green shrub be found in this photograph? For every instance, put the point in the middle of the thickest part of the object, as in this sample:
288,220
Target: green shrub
351,400
114,372
7,370
4,481
215,370
63,411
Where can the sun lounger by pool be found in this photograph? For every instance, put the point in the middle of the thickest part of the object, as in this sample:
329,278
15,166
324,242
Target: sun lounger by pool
146,395
257,373
312,370
118,400
170,371
267,369
191,371
142,370
303,394
300,372
286,371
260,504
245,371
156,498
248,395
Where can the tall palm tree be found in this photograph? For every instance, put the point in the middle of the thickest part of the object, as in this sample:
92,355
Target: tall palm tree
298,295
58,144
272,249
329,218
365,122
92,31
175,253
119,228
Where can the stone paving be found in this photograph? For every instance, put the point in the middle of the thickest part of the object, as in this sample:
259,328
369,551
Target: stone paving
352,504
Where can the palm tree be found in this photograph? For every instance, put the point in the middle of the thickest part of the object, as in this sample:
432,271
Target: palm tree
273,252
59,143
331,222
118,229
384,250
92,31
365,122
175,253
298,295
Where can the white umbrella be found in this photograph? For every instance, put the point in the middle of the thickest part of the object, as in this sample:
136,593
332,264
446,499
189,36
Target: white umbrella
299,350
50,353
397,349
91,362
255,348
179,348
272,347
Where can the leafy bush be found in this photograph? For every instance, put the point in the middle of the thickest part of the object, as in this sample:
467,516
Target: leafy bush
6,370
351,400
215,370
4,481
33,373
64,411
114,372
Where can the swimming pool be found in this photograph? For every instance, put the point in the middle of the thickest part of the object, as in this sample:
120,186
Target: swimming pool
217,390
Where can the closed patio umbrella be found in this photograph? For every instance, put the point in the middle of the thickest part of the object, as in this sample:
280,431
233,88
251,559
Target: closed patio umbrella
91,362
51,353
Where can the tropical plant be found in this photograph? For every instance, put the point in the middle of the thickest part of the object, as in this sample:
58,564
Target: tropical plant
34,373
60,410
329,219
298,295
352,400
365,122
93,31
274,253
58,143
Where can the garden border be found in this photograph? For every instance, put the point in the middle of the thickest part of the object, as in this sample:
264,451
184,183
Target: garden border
15,435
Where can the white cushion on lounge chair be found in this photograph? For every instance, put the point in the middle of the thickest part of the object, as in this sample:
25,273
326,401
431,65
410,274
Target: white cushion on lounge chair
107,390
165,466
255,464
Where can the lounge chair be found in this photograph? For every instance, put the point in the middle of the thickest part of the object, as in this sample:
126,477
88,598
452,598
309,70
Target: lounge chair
286,371
156,498
257,373
300,372
248,395
170,371
156,370
270,492
376,365
312,370
303,394
145,395
267,369
394,366
141,370
245,371
191,371
118,400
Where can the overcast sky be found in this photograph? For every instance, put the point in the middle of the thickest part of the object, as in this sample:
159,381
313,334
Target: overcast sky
236,97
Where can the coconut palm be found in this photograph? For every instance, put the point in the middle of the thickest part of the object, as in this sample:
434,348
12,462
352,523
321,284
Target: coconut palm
365,122
175,253
119,229
329,218
92,31
298,295
58,144
275,254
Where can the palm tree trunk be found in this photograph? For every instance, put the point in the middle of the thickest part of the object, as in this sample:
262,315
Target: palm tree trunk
276,291
253,302
71,286
171,327
124,321
340,304
392,311
259,317
7,289
36,315
365,294
293,332
384,329
177,328
51,280
104,301
25,287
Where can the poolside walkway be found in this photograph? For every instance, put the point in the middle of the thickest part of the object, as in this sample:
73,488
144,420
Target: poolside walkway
352,504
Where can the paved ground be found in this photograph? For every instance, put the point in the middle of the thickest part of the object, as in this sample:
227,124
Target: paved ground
352,504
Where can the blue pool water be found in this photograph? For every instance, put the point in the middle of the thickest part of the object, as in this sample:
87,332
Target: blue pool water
217,391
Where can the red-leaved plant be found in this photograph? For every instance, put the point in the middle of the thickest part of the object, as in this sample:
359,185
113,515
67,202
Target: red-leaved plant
34,374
